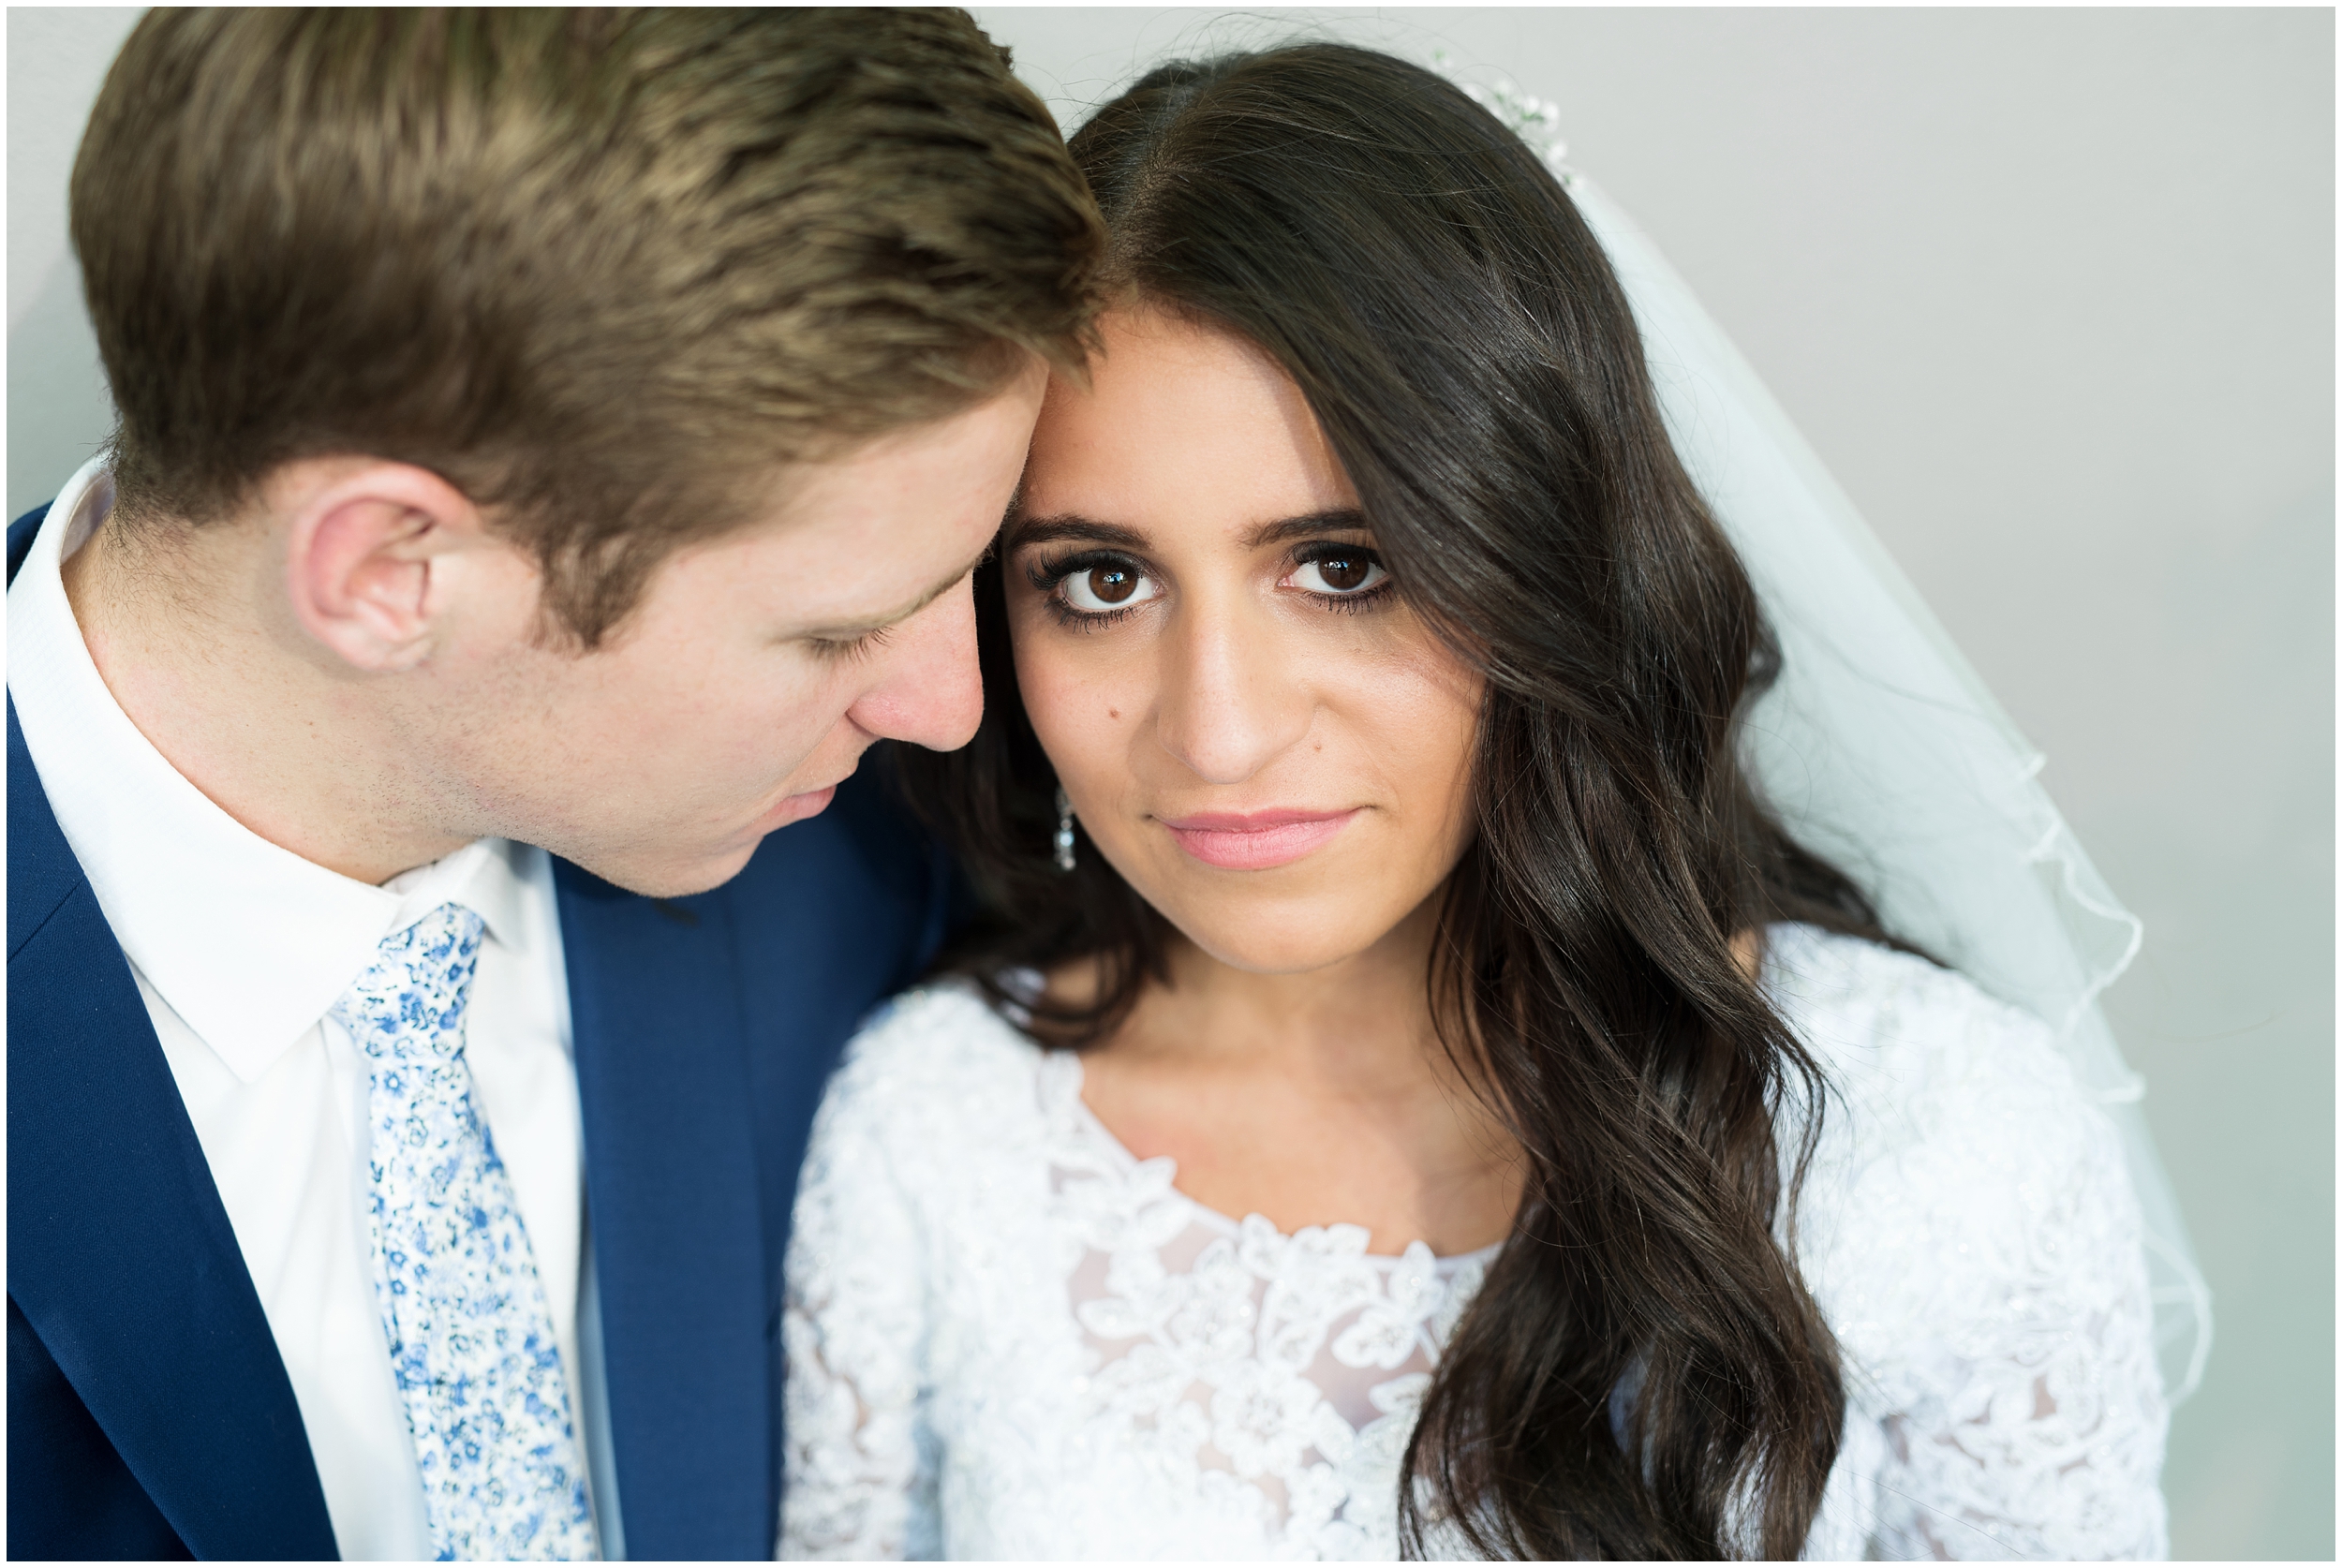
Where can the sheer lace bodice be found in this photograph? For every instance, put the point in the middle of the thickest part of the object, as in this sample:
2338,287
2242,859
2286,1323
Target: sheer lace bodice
1009,1338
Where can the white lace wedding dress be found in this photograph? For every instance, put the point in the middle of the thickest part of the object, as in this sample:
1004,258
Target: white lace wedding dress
1008,1338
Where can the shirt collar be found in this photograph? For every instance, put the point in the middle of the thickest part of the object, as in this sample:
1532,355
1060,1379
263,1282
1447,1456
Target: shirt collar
249,943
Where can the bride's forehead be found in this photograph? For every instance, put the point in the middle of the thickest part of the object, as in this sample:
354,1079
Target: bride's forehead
1181,420
1150,354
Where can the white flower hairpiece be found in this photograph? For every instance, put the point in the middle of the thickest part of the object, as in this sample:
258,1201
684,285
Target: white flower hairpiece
1532,119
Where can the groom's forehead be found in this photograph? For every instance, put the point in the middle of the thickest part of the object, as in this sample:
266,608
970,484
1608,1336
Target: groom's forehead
871,538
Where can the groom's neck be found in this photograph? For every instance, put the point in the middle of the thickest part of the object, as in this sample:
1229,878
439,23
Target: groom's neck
190,630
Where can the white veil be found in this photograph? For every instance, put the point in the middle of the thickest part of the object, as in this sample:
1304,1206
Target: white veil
1879,747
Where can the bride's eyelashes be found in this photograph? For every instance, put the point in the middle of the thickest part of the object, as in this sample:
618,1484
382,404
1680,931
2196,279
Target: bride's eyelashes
1345,577
1094,588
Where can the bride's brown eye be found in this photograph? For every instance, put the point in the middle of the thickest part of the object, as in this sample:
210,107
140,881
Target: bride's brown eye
1338,574
1104,586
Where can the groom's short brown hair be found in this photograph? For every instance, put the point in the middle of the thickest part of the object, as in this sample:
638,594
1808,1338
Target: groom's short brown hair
603,270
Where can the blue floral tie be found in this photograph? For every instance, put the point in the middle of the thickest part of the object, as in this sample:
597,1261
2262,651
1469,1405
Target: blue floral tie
471,1342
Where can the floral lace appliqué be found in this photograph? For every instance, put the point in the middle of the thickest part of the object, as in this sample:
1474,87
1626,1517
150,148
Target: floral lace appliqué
1273,1376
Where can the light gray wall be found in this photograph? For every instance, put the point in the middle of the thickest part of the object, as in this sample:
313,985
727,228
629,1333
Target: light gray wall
2053,293
58,410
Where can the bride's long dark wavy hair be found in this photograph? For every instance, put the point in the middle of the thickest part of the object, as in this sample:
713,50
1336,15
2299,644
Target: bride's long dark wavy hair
1643,1373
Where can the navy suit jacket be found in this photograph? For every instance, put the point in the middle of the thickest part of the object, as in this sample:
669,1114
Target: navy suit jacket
149,1415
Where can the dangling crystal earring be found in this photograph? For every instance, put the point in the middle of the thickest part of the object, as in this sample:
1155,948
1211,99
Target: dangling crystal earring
1065,831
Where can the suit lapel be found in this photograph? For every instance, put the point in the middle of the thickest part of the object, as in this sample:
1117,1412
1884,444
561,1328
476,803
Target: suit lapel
20,534
120,1253
673,1199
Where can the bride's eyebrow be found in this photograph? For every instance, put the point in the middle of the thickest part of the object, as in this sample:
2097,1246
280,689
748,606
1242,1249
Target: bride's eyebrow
1286,530
1025,532
1028,531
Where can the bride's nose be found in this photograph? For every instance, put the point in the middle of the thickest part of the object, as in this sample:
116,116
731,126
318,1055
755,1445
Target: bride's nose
1229,705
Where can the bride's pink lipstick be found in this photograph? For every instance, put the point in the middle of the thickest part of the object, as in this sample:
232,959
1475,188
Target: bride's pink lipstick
1256,840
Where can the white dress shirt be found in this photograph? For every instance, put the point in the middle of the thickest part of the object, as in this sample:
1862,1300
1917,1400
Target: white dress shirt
239,947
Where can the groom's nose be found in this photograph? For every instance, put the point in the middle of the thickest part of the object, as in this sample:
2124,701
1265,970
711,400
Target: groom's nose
927,688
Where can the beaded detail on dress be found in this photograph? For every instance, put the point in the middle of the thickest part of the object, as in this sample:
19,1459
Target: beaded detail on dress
1009,1338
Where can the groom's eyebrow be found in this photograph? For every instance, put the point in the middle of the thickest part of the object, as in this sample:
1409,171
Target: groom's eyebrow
846,630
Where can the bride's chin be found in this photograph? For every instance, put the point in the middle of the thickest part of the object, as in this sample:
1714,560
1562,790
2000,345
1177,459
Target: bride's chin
1290,921
1282,960
1274,941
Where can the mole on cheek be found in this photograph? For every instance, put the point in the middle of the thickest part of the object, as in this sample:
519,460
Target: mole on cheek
1114,712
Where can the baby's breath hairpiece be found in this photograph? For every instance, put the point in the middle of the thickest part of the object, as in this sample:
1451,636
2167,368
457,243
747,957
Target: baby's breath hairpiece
1532,119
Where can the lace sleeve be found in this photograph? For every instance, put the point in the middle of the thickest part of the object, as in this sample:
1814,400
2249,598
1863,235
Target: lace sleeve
1989,1285
860,1476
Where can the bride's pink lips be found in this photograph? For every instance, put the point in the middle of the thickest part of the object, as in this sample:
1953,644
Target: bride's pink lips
1256,840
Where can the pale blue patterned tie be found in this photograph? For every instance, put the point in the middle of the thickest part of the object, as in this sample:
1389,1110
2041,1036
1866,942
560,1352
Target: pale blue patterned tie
471,1344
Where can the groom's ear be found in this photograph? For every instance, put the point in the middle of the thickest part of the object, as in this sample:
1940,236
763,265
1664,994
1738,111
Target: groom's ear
373,554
